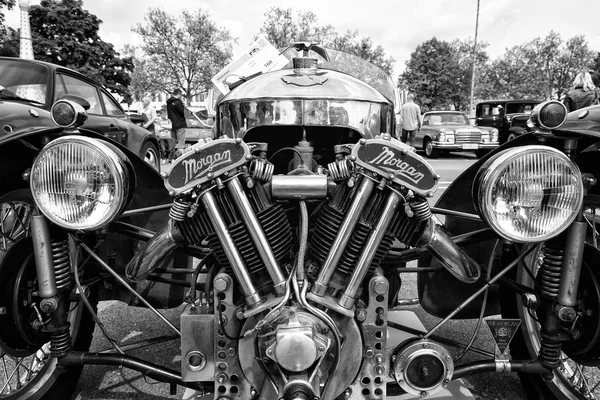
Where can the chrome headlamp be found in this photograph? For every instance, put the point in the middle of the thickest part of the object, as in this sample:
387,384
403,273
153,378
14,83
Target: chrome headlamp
528,194
81,183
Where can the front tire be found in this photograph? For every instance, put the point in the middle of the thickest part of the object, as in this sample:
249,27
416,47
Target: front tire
27,370
571,380
430,151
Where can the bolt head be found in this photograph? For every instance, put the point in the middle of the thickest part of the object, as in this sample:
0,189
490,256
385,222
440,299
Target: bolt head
425,345
221,284
361,314
380,287
369,352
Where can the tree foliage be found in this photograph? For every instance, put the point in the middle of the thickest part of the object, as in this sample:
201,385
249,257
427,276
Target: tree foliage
596,70
9,44
283,27
9,4
183,51
543,68
64,33
432,73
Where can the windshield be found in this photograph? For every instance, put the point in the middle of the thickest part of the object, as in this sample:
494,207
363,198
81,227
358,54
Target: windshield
354,66
23,81
341,62
445,119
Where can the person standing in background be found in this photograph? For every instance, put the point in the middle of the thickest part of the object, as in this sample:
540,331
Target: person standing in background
583,94
176,113
411,120
149,114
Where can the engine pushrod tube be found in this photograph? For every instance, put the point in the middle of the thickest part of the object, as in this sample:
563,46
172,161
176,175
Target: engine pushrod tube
257,235
368,253
572,263
233,255
42,252
525,367
77,358
360,200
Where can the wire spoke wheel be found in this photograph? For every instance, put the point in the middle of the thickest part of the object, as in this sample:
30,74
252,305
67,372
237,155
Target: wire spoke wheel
27,368
578,374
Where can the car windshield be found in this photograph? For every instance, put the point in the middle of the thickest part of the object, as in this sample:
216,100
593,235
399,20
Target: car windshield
23,81
513,108
446,119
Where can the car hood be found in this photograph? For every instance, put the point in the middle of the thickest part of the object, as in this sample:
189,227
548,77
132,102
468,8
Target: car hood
17,117
452,127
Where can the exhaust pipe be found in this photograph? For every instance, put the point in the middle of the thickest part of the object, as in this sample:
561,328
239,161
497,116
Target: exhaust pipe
154,253
452,257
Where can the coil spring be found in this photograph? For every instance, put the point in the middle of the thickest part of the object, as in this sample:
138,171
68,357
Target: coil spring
261,170
60,341
62,264
550,350
179,209
340,170
420,209
548,278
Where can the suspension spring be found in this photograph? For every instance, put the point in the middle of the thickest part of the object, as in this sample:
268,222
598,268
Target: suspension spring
550,350
548,278
340,170
60,341
179,209
548,285
62,264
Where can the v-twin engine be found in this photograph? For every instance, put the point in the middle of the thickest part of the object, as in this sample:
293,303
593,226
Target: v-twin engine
286,247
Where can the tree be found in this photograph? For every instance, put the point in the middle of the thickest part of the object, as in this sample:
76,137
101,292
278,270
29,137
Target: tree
363,48
282,28
9,4
187,50
147,73
463,54
432,73
596,70
64,33
542,68
9,45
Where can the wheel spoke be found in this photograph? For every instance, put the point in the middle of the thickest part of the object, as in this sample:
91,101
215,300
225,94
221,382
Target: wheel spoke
12,374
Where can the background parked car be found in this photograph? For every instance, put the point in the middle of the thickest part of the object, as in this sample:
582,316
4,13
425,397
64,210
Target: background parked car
28,88
444,131
199,125
508,116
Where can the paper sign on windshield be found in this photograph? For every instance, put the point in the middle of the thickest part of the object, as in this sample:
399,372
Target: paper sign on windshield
260,56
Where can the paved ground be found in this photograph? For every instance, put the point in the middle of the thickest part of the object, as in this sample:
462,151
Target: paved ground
99,383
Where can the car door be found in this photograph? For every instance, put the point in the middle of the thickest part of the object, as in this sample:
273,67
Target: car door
97,120
420,133
114,111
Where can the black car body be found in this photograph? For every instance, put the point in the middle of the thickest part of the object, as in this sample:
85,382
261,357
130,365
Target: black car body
508,116
29,88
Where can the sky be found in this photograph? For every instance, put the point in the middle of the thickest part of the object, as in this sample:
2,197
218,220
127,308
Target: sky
397,25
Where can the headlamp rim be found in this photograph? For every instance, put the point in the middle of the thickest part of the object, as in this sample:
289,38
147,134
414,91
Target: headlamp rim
117,165
494,166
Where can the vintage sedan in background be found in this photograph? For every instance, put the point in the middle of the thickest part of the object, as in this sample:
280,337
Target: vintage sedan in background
444,131
508,116
28,88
